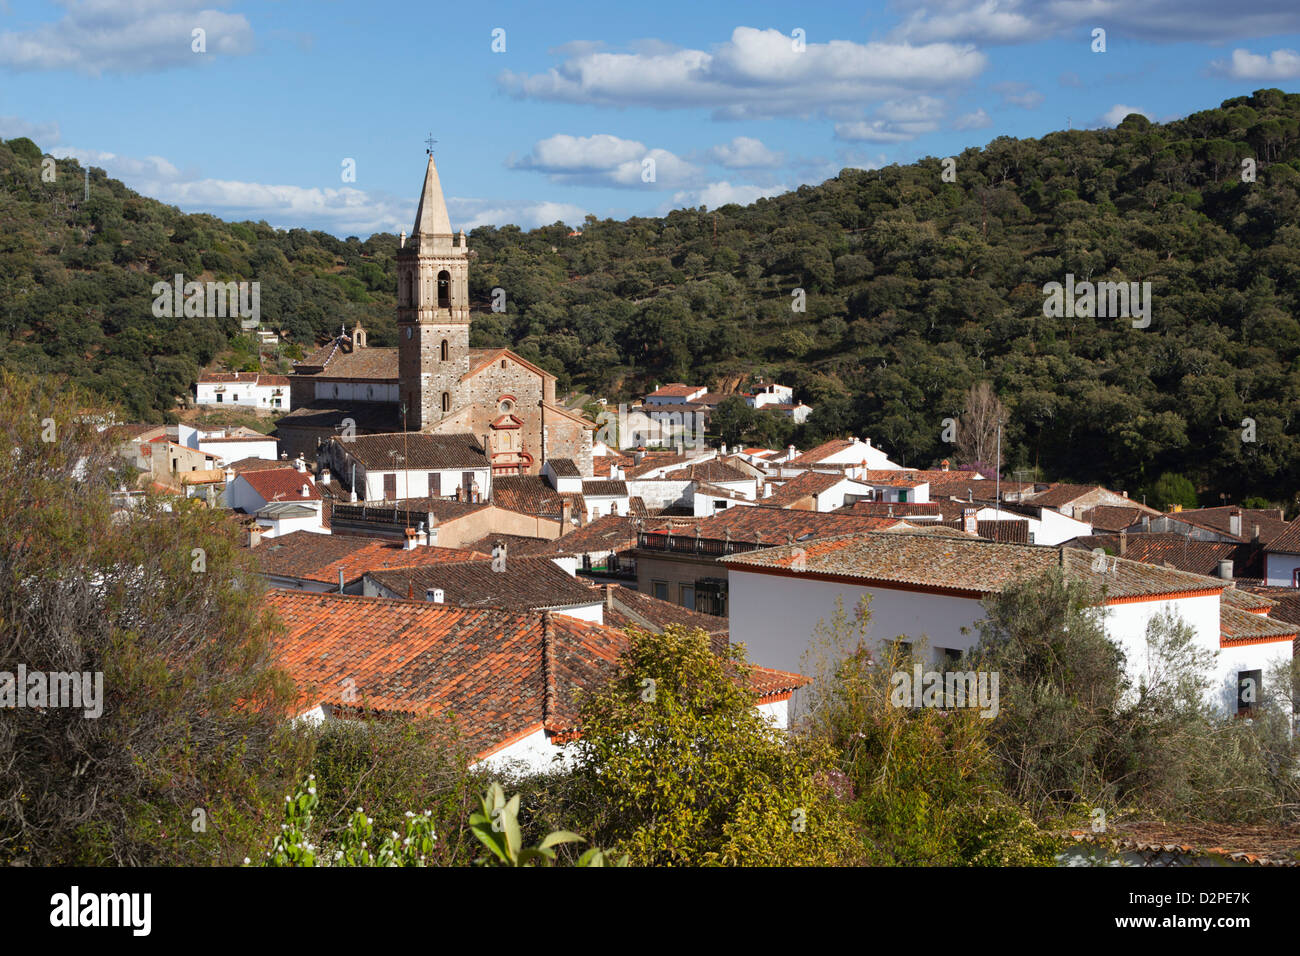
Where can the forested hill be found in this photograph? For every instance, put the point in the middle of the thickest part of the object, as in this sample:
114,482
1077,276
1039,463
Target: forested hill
915,288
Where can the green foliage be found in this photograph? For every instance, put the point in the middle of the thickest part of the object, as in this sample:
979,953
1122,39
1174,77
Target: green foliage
676,767
926,783
1169,490
182,764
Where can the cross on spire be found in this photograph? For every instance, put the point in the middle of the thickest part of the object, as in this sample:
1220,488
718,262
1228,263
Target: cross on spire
429,144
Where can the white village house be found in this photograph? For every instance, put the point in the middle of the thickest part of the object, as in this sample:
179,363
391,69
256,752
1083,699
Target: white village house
247,389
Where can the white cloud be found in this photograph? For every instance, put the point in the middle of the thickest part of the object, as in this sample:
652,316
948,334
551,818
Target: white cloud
1244,65
1150,21
605,160
126,36
343,210
757,73
896,121
745,152
715,195
977,120
1115,115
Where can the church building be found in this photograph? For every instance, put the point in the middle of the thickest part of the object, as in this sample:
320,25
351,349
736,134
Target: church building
433,381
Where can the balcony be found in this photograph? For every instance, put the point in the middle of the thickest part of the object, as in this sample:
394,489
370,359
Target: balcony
689,544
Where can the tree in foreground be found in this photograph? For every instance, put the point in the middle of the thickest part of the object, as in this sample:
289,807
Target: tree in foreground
184,754
676,767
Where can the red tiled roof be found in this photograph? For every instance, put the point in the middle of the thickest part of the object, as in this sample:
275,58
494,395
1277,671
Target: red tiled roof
522,584
281,484
674,390
969,565
712,471
532,495
311,556
802,486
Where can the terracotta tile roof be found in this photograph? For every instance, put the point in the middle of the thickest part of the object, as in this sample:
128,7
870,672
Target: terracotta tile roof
1287,540
421,451
674,390
1237,626
717,491
1113,517
564,467
366,416
526,584
802,486
774,524
531,495
1179,551
968,564
378,364
631,608
1060,493
481,358
653,460
254,464
1247,601
601,463
814,455
281,484
1008,530
1269,521
319,557
891,478
604,488
897,509
521,545
499,674
713,471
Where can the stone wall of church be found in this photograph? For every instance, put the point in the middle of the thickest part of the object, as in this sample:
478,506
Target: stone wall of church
565,438
523,388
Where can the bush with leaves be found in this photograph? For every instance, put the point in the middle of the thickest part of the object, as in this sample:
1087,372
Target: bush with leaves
926,783
676,766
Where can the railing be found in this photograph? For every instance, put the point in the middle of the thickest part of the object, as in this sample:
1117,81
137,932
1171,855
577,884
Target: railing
372,515
689,544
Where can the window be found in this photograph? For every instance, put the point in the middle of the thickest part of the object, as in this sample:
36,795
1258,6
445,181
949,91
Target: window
687,592
467,482
219,398
660,589
902,495
442,351
390,487
1249,687
435,483
444,289
1295,575
446,401
503,363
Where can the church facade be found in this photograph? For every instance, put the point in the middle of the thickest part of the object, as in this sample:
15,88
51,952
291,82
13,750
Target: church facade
434,381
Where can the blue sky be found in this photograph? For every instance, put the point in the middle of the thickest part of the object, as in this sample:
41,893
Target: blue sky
730,100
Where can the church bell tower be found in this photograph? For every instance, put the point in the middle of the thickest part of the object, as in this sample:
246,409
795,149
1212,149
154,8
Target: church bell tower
432,311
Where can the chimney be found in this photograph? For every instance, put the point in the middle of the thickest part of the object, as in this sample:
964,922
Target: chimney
789,452
566,515
1123,543
284,456
1234,522
1255,535
340,580
609,596
613,472
325,476
411,539
944,464
229,476
637,457
434,595
299,465
1225,569
1146,522
1124,493
853,439
968,522
724,449
767,491
402,240
255,536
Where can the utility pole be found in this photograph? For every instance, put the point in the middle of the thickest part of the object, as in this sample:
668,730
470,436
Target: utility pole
997,474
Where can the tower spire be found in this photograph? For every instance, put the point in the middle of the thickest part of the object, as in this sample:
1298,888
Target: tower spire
431,217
